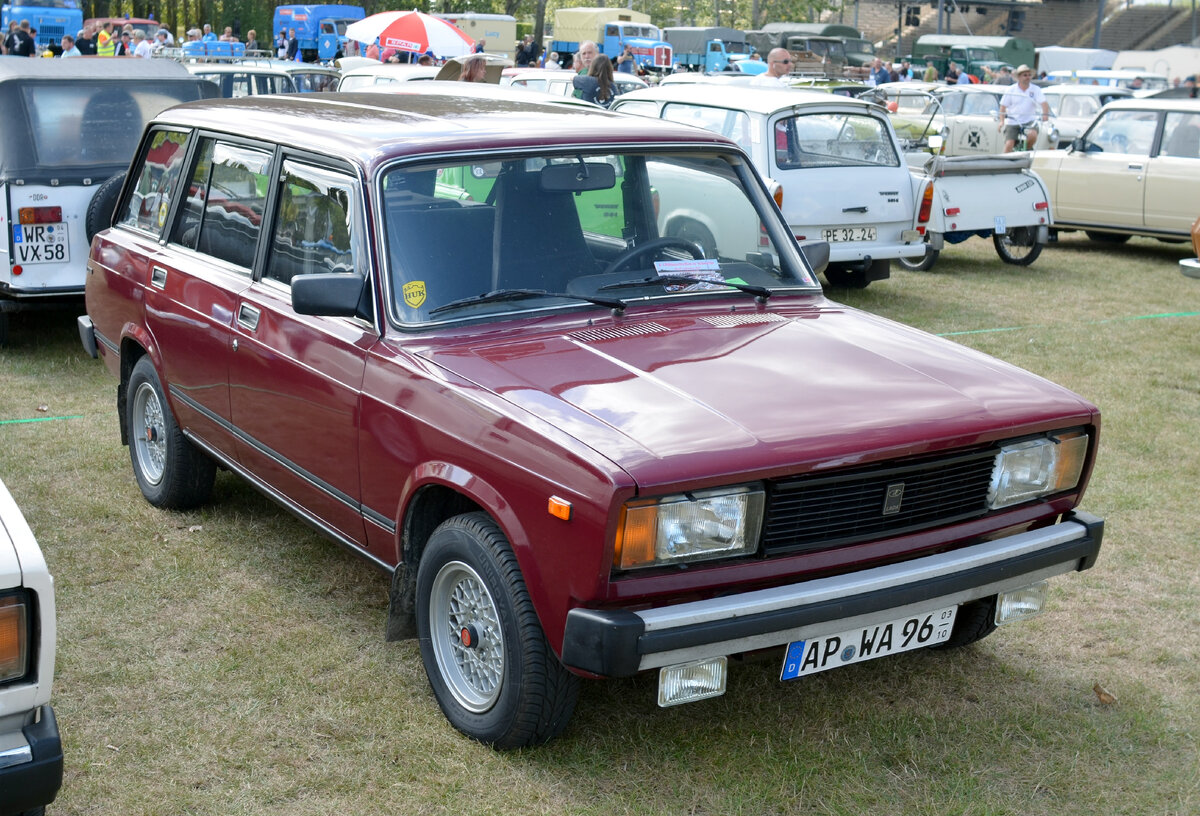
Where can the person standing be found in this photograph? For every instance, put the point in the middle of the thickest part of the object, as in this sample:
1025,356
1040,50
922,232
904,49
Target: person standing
1020,105
526,53
293,45
106,43
124,45
931,72
68,47
627,63
24,45
142,47
252,40
1005,77
479,46
779,66
879,74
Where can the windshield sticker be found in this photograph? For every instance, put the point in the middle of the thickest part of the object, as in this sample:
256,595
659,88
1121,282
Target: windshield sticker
414,293
708,269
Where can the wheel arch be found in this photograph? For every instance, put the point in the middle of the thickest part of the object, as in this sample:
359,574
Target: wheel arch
441,492
133,348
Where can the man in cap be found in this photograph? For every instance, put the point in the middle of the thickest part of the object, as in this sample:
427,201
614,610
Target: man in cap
1005,76
1019,110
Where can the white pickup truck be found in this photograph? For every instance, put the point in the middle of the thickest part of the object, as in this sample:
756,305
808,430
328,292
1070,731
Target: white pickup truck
997,196
31,760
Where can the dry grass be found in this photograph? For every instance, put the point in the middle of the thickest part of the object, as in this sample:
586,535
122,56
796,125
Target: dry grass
230,660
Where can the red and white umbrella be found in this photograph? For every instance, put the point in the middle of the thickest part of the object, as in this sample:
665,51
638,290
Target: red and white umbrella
412,31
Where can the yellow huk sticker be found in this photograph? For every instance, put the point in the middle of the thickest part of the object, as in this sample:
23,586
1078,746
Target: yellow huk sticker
414,293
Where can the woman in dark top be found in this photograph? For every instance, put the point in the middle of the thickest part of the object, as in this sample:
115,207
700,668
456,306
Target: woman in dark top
597,85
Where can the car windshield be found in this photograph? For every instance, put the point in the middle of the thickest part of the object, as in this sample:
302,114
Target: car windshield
833,140
546,232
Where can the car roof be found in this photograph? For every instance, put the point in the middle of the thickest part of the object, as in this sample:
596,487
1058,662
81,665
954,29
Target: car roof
233,68
751,98
1088,90
288,66
1156,103
371,128
476,90
402,69
78,68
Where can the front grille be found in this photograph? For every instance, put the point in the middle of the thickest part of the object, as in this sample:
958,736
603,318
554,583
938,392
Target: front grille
822,512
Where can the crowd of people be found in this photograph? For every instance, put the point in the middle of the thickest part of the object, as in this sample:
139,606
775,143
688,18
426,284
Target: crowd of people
109,39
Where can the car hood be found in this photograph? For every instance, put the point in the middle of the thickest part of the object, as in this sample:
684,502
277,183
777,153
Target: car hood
10,564
707,394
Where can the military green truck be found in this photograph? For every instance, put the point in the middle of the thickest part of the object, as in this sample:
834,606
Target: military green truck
973,53
816,48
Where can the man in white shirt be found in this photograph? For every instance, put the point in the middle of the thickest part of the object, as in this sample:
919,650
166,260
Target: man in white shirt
141,46
1019,109
779,66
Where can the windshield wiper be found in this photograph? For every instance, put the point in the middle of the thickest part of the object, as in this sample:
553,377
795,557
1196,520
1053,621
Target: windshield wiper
497,295
760,292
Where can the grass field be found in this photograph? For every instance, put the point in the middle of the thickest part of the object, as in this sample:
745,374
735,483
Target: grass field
231,661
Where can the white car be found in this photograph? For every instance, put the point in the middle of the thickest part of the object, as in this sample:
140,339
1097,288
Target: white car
841,175
31,760
1075,106
559,82
364,77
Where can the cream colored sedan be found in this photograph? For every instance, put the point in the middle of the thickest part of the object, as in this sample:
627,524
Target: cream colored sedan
1136,171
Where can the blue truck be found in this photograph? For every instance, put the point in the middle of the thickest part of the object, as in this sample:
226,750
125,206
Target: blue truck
321,30
710,48
51,19
612,29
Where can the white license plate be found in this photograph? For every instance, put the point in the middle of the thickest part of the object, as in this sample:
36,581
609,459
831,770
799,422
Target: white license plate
805,657
40,243
838,234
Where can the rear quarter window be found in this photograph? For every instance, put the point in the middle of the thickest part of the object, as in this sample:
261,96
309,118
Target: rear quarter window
157,179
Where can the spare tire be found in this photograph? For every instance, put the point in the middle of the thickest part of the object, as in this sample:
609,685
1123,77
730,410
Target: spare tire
103,203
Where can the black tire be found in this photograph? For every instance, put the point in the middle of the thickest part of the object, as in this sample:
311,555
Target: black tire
171,472
846,278
923,264
1107,237
1018,246
975,621
492,671
4,321
100,210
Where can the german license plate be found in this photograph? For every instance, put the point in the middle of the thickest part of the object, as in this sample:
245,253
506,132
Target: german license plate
805,657
40,243
838,234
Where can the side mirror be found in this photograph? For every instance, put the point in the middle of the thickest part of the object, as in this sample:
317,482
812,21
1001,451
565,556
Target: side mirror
1078,145
817,255
331,294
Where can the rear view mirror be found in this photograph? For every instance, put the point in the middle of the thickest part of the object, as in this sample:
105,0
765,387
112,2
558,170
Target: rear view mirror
578,177
817,255
331,294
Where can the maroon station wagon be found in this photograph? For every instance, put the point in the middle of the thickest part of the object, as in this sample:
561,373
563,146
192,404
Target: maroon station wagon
480,342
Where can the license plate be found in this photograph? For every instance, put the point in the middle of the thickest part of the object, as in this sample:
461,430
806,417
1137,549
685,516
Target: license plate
838,234
805,657
40,243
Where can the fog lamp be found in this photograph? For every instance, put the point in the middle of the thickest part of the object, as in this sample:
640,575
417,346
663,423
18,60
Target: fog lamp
1021,604
689,682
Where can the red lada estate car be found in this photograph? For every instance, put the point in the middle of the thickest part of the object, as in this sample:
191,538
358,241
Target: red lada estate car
471,340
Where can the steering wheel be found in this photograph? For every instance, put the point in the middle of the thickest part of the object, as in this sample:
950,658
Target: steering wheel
653,245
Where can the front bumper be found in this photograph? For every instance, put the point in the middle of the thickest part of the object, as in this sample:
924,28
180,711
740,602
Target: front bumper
620,643
31,766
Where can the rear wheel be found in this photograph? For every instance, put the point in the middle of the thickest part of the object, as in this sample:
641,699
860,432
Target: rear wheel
104,202
171,472
492,671
922,264
1018,246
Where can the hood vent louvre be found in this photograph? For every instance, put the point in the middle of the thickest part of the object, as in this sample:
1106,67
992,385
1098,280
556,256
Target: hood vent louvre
633,330
725,321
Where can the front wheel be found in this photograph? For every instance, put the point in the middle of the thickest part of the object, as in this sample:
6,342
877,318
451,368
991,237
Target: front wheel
1018,246
171,471
922,264
492,671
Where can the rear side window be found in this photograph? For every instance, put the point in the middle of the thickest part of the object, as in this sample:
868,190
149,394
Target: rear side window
314,228
833,140
158,178
227,194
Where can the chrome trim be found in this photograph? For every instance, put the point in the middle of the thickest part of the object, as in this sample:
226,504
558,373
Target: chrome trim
856,584
17,752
